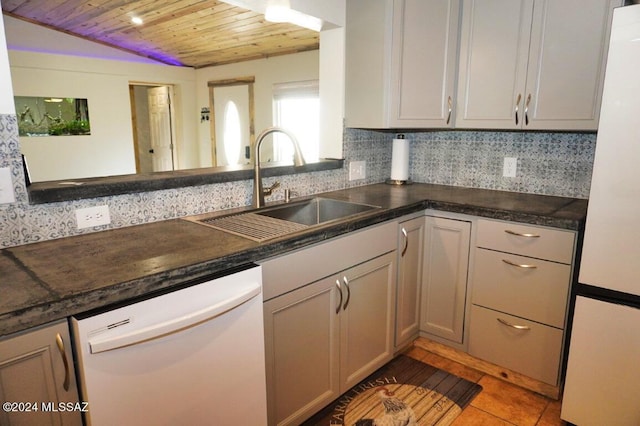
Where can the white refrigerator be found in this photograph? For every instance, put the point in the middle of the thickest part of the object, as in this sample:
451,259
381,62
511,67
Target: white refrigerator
602,384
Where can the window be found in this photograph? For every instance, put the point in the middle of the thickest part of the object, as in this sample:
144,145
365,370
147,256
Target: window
296,108
232,133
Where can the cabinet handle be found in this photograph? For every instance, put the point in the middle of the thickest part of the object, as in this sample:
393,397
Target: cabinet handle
346,284
518,107
517,327
518,234
339,292
450,103
526,111
406,242
63,354
519,265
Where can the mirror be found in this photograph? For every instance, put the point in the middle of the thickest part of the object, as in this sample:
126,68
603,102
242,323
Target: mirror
108,150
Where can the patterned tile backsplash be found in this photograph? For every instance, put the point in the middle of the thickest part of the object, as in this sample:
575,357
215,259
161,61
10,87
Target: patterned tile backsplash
548,163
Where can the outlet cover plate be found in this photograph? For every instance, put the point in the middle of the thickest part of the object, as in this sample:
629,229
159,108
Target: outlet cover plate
93,216
357,170
510,167
6,186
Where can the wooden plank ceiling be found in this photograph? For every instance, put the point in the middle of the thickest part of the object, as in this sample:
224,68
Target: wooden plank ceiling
194,33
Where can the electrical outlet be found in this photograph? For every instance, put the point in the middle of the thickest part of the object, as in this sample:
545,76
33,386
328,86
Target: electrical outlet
6,186
357,170
93,216
510,167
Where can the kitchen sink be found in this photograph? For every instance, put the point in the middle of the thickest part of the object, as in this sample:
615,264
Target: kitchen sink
316,211
278,221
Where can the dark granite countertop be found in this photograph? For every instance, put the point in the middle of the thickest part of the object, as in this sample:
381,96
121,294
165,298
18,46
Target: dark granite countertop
54,279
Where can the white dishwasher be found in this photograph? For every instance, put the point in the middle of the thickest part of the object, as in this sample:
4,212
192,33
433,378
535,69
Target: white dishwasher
192,356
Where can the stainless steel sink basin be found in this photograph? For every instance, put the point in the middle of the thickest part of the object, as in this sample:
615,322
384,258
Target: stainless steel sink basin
277,221
316,211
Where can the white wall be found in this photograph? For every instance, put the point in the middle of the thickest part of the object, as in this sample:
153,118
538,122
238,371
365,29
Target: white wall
6,92
332,62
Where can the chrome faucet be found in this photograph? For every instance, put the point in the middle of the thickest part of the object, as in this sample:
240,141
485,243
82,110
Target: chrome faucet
258,190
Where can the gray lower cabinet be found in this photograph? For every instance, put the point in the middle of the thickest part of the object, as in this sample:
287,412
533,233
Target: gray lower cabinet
322,336
37,379
444,278
521,284
410,253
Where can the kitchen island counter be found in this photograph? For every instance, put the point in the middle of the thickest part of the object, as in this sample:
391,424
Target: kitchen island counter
54,279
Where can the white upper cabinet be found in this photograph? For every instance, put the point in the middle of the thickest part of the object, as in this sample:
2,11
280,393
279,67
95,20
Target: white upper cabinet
401,58
532,64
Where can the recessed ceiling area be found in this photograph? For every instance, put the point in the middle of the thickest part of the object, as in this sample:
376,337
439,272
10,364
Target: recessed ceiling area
178,32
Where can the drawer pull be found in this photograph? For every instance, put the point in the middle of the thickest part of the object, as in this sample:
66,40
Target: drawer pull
406,242
518,234
519,265
346,284
517,327
65,362
340,293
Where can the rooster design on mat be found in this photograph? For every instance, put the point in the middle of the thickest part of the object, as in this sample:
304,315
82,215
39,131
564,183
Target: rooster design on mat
396,412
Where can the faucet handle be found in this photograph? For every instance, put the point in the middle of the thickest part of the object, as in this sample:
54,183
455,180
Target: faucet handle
288,193
269,190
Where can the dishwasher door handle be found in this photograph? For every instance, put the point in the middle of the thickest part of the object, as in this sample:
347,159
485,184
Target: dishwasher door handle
167,327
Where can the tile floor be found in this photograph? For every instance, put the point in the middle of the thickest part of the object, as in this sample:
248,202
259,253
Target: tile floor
499,403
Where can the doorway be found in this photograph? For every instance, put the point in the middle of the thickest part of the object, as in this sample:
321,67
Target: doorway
152,119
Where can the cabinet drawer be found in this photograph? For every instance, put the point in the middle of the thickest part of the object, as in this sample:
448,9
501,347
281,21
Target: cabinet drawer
286,273
538,292
527,240
534,351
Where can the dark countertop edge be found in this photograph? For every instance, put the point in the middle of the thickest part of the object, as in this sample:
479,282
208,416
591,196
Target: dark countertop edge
55,191
46,312
507,215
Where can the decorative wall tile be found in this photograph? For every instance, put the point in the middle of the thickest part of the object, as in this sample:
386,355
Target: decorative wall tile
548,163
9,145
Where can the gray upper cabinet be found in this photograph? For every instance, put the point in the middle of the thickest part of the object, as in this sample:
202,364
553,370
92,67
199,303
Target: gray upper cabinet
401,58
532,64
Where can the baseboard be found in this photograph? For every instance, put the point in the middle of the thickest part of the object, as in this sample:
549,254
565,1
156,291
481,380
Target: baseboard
502,373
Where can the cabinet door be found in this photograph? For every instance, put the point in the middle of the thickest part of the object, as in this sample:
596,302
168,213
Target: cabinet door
494,46
35,369
567,57
367,62
301,339
424,52
444,282
410,250
367,318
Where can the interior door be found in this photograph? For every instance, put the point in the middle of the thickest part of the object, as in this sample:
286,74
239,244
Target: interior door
232,129
161,128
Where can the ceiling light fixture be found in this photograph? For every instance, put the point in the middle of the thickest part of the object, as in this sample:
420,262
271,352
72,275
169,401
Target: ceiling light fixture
277,11
137,20
280,11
